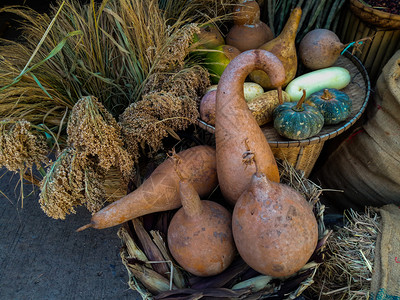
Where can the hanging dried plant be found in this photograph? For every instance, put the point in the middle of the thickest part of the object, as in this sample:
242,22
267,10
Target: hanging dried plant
170,104
21,146
62,188
172,56
113,50
94,132
191,82
106,49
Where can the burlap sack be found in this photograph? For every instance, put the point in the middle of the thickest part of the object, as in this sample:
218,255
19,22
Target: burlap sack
385,282
366,166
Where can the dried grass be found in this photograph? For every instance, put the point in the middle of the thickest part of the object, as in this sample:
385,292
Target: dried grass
109,50
347,272
62,188
95,168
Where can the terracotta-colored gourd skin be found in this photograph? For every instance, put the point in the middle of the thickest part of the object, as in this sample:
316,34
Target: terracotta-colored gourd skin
248,32
160,191
279,225
283,46
200,234
207,107
235,124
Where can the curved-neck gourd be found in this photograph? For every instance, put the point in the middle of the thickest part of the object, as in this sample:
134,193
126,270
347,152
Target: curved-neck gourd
235,127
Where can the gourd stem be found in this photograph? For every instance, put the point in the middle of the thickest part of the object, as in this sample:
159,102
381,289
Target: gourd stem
279,88
299,105
326,95
190,199
249,157
356,44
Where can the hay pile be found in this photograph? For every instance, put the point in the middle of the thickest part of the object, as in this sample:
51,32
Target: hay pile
99,86
347,270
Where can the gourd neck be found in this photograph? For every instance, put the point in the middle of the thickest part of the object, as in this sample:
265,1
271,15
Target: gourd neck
299,105
326,95
230,87
190,199
289,31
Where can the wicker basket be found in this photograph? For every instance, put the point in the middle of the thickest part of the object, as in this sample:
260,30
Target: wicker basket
175,283
360,21
304,153
374,16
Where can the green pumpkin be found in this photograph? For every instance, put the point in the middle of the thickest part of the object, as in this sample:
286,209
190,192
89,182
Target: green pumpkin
297,120
334,105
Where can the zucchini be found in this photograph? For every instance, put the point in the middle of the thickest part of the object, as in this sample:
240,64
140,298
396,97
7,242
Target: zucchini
332,77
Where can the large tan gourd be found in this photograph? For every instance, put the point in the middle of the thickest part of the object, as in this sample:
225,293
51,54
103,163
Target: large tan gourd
274,228
283,46
160,192
235,124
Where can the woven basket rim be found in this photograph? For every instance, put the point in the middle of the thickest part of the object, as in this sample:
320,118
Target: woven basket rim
336,130
374,16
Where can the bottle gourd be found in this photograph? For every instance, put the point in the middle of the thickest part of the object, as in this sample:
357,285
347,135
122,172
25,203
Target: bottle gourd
234,123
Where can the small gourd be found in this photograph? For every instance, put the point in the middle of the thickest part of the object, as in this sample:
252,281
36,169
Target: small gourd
297,120
334,105
248,32
200,234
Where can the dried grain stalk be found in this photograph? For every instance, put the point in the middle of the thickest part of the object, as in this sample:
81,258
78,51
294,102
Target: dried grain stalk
170,104
22,146
93,131
106,49
62,188
95,151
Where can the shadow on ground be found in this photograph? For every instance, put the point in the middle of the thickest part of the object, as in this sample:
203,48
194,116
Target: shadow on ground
42,258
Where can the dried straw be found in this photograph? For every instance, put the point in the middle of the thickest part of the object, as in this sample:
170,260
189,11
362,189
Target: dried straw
107,49
347,271
96,151
110,50
62,188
